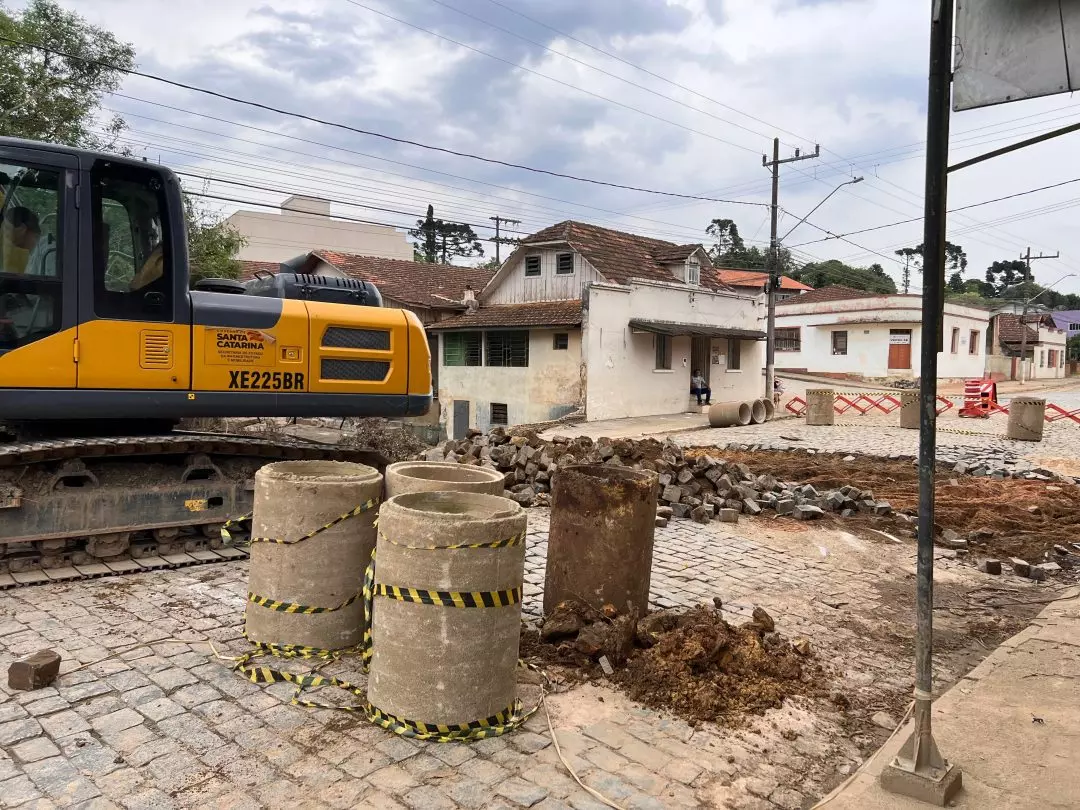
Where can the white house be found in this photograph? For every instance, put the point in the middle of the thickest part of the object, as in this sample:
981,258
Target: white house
838,331
583,317
1044,353
304,222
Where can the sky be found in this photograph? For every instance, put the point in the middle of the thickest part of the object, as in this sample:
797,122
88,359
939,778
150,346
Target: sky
681,96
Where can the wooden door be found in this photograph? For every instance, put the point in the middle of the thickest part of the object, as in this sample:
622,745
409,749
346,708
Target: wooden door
900,349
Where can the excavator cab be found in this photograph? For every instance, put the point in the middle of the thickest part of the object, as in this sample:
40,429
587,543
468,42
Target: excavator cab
97,321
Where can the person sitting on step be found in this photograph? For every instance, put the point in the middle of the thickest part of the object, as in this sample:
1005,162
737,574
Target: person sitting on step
699,388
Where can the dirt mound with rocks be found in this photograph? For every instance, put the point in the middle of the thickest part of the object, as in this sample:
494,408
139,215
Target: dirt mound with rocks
692,663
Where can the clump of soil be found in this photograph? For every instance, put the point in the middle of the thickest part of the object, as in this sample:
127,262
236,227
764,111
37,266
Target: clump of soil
692,663
705,669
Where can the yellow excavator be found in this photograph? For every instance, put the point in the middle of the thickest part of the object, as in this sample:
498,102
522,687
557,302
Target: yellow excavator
104,349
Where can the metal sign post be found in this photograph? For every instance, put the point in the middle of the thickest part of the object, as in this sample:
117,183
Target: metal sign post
919,770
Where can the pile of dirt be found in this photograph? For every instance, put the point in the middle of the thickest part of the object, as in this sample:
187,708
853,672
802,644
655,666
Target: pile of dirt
1008,518
392,443
692,663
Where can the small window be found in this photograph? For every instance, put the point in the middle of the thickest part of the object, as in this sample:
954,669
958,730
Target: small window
499,414
693,272
663,353
561,341
973,342
461,349
1061,360
839,342
789,339
508,349
564,264
31,298
132,262
955,341
532,266
1042,359
734,354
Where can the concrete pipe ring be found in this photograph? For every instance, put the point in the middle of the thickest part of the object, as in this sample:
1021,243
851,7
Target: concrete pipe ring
441,476
819,406
1027,418
770,408
295,499
730,414
757,411
445,663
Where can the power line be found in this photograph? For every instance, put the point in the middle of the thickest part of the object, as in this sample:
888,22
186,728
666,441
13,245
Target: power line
950,211
369,133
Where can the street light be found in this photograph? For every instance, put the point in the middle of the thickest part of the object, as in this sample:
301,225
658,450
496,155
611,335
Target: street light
770,329
1023,324
850,182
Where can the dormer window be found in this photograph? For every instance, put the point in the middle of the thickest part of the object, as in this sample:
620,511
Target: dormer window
693,271
532,266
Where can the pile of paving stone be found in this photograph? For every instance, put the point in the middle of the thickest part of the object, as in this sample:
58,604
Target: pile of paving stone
700,487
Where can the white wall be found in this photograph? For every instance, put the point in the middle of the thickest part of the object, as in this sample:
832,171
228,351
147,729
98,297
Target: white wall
549,388
511,286
622,377
274,237
1039,367
868,322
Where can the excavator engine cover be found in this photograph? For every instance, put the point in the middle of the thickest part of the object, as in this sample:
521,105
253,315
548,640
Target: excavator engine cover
308,287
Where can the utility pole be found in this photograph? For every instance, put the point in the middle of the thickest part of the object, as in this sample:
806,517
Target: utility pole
1028,259
774,256
498,240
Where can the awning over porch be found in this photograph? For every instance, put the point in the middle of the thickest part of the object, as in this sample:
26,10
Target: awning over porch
694,330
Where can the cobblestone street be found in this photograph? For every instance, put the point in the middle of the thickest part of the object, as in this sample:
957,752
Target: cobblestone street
139,719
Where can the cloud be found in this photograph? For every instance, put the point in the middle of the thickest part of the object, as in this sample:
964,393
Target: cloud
848,74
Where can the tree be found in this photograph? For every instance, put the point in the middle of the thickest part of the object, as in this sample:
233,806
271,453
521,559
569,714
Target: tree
835,273
727,244
53,98
212,243
955,260
1002,275
439,241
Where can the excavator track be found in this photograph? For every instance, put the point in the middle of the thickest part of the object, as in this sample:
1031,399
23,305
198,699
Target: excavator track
79,508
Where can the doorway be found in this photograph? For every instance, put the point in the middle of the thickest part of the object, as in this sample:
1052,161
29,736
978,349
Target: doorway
699,357
900,349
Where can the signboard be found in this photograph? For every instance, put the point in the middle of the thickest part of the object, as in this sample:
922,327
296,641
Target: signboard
1010,50
900,340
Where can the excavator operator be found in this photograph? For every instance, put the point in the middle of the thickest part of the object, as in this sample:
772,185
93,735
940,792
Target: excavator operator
19,234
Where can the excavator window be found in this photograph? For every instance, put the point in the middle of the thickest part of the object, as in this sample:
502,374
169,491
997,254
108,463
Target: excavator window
30,288
132,265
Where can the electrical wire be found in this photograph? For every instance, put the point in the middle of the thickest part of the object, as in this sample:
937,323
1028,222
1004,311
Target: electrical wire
370,133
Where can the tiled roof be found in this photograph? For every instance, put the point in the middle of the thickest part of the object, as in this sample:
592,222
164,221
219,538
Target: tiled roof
621,256
541,313
1008,328
823,294
248,269
427,285
752,278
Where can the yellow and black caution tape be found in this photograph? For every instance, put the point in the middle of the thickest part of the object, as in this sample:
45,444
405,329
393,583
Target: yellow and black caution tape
303,610
459,599
515,540
227,538
226,535
507,720
358,510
